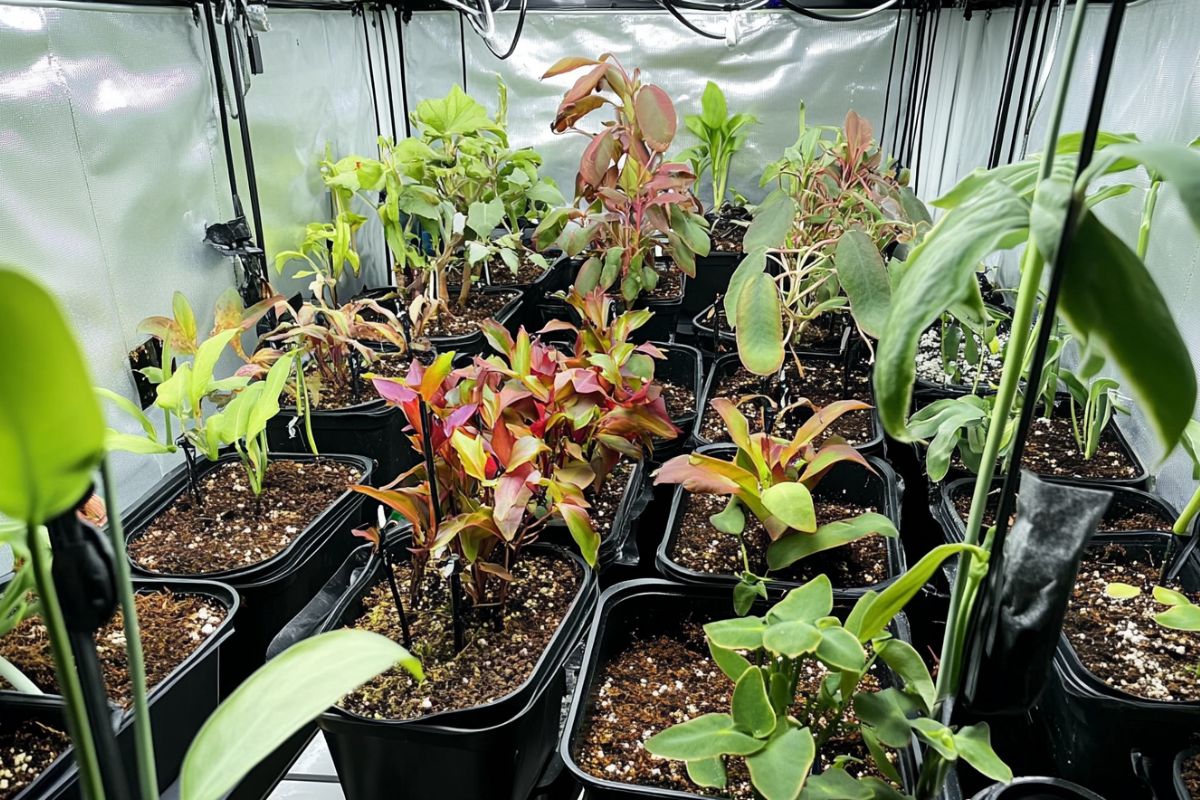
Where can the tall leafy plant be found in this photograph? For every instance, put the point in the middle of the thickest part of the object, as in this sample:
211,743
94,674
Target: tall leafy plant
721,136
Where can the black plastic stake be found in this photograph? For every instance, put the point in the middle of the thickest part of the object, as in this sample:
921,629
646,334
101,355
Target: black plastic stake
456,602
717,323
430,465
189,455
396,598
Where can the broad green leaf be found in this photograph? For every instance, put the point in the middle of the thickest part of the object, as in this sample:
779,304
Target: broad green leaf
713,109
751,707
456,113
779,770
791,639
745,593
760,328
792,503
864,278
1180,618
841,649
743,633
1049,214
771,224
706,736
753,263
937,736
582,531
1121,591
1177,164
1110,300
731,663
941,272
707,772
887,712
731,519
793,547
834,784
278,700
589,275
974,744
482,218
1169,597
51,429
906,662
807,603
888,602
655,115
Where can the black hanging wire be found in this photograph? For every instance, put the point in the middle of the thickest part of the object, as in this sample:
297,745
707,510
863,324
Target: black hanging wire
512,46
387,67
462,48
403,78
1015,40
1008,493
900,90
887,93
920,136
670,6
219,77
362,9
1041,32
914,85
870,12
239,100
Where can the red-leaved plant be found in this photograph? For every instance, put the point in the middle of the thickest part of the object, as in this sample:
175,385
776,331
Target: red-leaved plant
631,204
518,440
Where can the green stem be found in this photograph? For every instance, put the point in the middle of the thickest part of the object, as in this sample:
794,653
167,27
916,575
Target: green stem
1147,215
143,736
1032,266
1188,514
17,679
64,668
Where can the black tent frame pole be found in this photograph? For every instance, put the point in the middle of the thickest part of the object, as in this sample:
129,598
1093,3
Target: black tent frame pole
1026,88
403,78
387,68
887,93
1027,108
1045,322
239,101
1015,42
362,9
920,135
900,88
915,79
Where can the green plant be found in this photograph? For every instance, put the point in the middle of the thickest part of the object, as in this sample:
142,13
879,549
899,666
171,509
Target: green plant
1191,445
779,734
1181,614
721,136
637,206
774,479
18,602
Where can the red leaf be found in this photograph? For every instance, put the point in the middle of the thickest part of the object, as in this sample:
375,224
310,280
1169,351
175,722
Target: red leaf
564,65
655,117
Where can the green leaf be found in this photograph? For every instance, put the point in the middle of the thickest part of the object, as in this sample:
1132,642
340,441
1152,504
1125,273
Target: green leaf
779,770
278,700
834,784
793,547
1049,214
839,648
706,736
792,639
751,707
731,663
888,602
879,755
864,278
1178,165
887,712
906,662
792,503
937,736
743,633
1180,618
51,429
807,603
731,519
589,276
482,218
753,263
760,328
771,224
1169,597
612,266
1121,591
941,272
582,531
974,744
707,772
712,106
1109,299
456,113
745,593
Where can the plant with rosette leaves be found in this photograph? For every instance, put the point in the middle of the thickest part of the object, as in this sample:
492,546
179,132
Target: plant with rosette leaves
779,734
632,206
774,479
721,137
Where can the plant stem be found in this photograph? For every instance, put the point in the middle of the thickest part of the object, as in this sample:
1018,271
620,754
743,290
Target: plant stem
1147,216
143,736
1188,514
64,668
1032,266
17,679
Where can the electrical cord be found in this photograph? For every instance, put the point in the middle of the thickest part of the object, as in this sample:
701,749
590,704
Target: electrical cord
487,40
675,13
870,12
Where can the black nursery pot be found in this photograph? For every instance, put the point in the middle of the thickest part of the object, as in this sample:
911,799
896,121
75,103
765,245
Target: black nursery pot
495,750
850,481
683,367
617,545
712,334
713,272
1177,764
729,364
661,326
179,704
1037,789
469,343
59,779
274,590
644,608
1093,728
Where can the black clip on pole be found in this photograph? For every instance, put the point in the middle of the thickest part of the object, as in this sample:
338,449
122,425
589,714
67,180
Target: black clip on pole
83,574
390,572
189,455
456,602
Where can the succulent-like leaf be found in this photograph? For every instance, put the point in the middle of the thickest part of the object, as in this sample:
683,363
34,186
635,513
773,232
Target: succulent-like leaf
655,117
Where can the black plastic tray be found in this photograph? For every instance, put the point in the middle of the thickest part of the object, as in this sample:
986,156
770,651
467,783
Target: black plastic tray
883,491
651,605
729,364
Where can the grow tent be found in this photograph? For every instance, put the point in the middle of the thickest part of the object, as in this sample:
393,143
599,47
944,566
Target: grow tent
112,151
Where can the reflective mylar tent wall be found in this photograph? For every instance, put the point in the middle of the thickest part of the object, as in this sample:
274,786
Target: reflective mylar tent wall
112,161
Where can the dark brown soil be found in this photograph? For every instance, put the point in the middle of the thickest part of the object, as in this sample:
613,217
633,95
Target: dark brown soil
670,283
659,681
502,275
680,399
1051,450
1118,639
494,662
172,627
27,748
1191,776
460,320
701,547
822,384
231,528
726,234
605,502
823,335
389,365
1117,519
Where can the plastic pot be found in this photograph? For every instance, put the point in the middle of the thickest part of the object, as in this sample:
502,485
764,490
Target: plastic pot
1037,789
711,318
661,326
60,778
683,367
1094,728
618,546
883,491
713,272
179,704
273,590
495,750
1177,764
727,365
644,608
472,342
